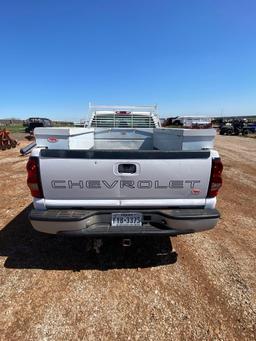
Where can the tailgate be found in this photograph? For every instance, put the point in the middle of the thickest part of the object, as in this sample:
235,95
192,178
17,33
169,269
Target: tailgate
126,174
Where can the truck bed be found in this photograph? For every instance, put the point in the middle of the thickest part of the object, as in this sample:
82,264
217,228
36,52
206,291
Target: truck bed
122,139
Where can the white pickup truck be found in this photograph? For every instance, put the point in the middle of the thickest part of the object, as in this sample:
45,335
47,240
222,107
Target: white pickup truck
124,175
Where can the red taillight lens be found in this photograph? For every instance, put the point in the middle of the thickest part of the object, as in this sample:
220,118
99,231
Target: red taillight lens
215,180
33,179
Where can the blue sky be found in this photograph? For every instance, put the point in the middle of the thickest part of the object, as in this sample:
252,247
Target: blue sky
187,56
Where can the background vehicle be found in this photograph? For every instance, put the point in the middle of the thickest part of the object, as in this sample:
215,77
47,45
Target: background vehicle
194,122
236,127
35,122
251,127
124,175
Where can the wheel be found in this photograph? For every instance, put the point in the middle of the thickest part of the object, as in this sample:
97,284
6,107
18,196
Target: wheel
229,132
13,144
245,132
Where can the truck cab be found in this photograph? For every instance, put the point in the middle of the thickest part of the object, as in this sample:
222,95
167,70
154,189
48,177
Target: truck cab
124,117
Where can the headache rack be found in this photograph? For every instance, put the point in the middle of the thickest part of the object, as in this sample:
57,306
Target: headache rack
124,117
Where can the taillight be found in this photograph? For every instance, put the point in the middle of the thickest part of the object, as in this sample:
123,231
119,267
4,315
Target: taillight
33,180
215,180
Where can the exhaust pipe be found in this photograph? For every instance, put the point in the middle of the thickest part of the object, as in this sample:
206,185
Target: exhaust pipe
126,242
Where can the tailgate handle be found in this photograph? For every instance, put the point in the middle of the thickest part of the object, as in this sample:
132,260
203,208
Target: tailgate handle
127,168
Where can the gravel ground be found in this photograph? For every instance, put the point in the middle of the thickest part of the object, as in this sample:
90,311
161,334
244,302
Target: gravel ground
54,288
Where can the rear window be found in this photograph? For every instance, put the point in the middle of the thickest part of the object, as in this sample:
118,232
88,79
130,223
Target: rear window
122,121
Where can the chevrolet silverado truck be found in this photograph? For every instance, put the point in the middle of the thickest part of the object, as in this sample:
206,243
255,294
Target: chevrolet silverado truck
124,175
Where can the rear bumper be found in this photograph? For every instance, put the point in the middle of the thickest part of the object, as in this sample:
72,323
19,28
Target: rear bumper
167,222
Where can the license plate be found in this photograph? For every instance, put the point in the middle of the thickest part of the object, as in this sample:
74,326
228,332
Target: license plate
126,219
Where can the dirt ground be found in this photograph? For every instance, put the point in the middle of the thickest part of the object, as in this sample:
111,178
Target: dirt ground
57,288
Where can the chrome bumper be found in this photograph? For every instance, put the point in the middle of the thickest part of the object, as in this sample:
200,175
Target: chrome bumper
167,222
